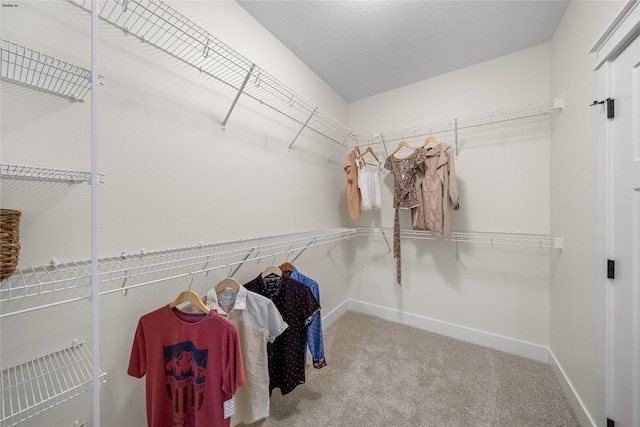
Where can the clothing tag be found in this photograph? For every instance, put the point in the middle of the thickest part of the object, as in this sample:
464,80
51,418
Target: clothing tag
227,298
272,283
229,407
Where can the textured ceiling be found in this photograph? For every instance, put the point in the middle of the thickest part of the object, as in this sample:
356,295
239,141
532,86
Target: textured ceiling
362,48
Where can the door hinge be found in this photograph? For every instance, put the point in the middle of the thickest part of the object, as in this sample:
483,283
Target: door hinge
611,269
610,108
610,422
610,105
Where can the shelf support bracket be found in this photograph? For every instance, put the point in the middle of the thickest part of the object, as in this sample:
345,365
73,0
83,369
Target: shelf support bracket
243,261
303,249
336,150
384,145
340,145
332,248
385,239
303,127
455,127
244,83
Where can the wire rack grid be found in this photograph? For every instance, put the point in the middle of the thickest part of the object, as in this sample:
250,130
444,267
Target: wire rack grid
42,173
164,28
32,387
537,109
28,67
535,240
161,265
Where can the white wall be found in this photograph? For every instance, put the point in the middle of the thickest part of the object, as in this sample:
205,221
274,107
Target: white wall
174,178
574,279
503,174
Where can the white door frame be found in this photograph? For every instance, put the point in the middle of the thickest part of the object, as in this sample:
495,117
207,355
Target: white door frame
624,29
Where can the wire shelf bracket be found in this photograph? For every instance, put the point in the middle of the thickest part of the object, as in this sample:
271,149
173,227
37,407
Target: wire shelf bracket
235,101
34,386
27,67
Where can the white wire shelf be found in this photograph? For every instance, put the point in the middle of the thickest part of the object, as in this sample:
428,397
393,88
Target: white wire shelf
154,267
32,387
164,28
142,269
158,25
537,109
46,174
492,239
36,70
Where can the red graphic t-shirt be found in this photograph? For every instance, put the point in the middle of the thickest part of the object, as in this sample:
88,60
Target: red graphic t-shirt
192,363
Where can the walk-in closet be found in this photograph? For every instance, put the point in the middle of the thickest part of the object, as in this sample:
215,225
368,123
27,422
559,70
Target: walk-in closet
459,248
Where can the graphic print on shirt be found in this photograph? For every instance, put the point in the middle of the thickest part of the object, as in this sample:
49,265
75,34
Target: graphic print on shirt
184,367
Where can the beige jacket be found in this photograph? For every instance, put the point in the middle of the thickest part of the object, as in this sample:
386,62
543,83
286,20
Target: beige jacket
354,198
437,189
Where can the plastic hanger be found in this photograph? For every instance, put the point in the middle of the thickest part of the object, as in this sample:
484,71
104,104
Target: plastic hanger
403,144
228,283
193,298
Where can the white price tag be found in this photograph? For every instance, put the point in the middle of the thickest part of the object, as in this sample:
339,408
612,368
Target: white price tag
229,407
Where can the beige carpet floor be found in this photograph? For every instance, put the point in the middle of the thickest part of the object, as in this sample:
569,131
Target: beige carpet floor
381,373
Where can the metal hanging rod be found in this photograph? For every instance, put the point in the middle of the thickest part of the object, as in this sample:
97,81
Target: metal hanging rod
32,387
44,174
28,67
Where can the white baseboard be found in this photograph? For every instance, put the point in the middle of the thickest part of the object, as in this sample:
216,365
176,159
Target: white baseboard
574,400
335,314
486,339
508,345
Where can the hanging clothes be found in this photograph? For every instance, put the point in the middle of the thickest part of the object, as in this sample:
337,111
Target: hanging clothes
314,338
192,363
404,194
297,305
258,322
369,184
354,198
437,191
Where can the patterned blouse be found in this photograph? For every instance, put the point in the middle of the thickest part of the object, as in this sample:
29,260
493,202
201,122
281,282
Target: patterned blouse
405,195
404,176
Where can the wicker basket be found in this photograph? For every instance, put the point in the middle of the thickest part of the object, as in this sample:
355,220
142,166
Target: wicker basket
9,241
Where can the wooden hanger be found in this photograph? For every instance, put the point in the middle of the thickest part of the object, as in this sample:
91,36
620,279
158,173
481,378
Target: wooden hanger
272,269
428,140
287,266
403,144
228,283
193,298
370,151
